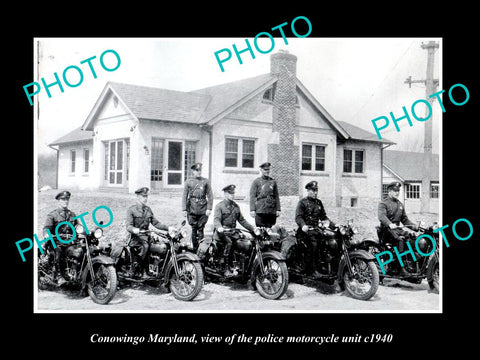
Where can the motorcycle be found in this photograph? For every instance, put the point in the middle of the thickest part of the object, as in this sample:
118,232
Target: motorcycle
425,267
85,266
170,263
343,260
254,259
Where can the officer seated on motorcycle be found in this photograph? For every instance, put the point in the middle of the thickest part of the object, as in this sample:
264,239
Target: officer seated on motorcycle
139,217
226,215
61,214
309,212
391,214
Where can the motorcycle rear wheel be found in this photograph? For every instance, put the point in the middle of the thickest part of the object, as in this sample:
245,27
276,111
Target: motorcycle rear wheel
364,284
105,284
190,280
274,283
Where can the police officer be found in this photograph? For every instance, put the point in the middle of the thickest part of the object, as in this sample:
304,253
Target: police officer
264,199
197,202
309,212
139,217
226,215
60,214
391,214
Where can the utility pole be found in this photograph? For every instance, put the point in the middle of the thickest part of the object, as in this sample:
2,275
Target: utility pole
430,86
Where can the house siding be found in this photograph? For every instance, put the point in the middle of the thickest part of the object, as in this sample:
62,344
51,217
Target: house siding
366,186
79,179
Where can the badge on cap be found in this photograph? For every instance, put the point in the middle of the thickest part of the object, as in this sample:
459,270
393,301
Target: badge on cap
312,185
63,195
142,191
229,188
394,185
196,167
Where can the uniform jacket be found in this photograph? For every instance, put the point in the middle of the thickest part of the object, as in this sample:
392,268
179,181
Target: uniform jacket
197,196
227,213
309,211
57,216
141,216
264,197
391,210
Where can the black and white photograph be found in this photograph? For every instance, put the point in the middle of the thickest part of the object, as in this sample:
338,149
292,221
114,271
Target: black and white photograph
281,188
316,199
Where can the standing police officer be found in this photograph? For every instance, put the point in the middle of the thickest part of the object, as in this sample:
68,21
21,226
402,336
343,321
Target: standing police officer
264,199
139,217
309,212
226,215
61,214
197,202
391,213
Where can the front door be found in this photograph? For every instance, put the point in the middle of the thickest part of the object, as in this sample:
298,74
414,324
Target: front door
174,162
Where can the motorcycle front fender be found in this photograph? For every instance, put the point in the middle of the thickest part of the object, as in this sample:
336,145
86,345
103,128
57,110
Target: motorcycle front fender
180,257
362,254
99,259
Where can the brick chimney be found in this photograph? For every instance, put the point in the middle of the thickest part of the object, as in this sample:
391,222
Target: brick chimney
283,153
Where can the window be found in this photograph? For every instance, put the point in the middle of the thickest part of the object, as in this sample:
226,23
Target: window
353,161
156,160
412,191
313,157
239,153
248,153
86,158
434,191
190,155
72,160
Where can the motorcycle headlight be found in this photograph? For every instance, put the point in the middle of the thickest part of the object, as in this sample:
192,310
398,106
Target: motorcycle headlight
354,230
343,231
435,226
98,233
269,231
79,229
257,231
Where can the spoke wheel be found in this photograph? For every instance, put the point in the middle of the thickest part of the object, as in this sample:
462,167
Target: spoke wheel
363,283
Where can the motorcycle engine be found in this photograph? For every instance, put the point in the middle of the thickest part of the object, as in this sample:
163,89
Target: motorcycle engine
424,245
331,244
75,252
244,245
158,249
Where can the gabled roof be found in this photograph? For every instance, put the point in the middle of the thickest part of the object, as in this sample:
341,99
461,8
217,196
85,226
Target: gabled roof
227,97
357,133
207,105
408,165
74,136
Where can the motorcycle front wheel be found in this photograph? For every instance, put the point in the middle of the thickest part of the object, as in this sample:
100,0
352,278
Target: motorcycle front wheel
189,282
273,283
363,283
105,284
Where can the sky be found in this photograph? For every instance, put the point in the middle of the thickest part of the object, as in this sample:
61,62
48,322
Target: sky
355,79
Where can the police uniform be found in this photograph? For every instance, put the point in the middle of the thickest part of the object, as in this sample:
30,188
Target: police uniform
226,215
196,200
264,199
56,217
140,216
391,210
310,211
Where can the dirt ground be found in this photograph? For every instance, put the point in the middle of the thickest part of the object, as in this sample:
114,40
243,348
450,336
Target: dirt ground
393,295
